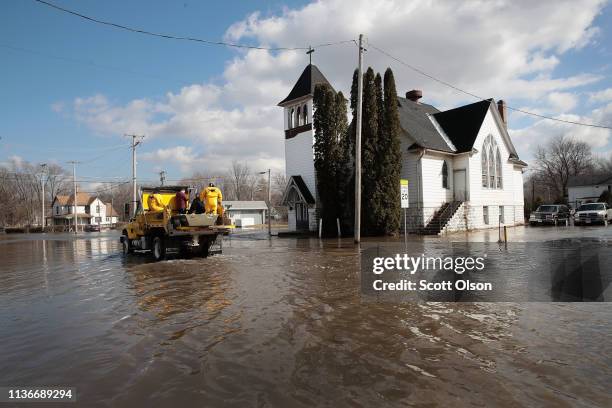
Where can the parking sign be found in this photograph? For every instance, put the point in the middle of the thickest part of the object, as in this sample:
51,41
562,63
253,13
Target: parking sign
404,192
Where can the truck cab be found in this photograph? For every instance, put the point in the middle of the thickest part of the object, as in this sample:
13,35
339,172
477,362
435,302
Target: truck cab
592,213
167,230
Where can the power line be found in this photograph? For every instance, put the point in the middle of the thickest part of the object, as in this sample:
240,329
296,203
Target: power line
91,64
420,71
182,38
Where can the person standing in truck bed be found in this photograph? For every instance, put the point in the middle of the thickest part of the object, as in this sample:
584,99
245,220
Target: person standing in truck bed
180,201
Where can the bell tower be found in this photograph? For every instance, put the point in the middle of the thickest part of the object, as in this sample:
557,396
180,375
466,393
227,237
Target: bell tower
299,140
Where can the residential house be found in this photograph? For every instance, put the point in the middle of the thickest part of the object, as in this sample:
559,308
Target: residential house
587,188
89,210
462,167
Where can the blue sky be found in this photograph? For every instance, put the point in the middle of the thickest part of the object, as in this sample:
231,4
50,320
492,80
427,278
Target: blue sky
71,88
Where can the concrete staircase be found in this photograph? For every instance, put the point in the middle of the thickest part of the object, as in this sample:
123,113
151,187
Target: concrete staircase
441,217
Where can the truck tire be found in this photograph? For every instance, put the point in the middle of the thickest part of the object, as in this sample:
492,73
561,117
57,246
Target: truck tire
204,246
158,248
126,244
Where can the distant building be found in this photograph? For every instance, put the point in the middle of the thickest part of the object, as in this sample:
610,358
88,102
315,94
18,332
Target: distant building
587,188
244,213
90,210
462,168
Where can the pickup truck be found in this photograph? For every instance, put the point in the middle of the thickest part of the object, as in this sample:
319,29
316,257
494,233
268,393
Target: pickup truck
168,230
593,213
549,214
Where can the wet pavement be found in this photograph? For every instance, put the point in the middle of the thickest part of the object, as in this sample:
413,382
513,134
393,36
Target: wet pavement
281,322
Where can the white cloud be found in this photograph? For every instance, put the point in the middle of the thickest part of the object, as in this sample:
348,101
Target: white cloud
502,49
539,133
58,107
14,162
604,95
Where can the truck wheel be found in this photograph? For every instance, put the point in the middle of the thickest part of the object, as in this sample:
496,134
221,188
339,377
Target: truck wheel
126,244
159,249
204,246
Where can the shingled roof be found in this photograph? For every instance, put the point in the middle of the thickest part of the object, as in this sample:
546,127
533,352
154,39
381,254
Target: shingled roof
589,179
82,199
305,85
415,121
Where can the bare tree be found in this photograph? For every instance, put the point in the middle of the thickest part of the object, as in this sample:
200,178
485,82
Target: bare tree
561,159
605,165
240,181
118,195
57,182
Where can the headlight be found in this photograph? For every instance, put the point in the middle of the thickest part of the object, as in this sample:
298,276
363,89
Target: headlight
532,217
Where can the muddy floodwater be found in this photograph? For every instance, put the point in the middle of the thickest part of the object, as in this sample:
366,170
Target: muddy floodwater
277,323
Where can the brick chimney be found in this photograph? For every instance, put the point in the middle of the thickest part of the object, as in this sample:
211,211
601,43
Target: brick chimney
414,95
503,112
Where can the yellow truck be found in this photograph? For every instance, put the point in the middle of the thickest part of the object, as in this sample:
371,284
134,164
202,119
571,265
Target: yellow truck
164,229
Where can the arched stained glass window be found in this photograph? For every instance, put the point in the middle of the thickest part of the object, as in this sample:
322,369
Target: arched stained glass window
491,157
498,169
491,164
485,168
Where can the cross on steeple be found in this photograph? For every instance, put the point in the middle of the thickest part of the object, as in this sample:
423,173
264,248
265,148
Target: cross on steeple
309,52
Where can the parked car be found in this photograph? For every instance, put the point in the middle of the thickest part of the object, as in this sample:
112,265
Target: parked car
92,228
593,213
549,214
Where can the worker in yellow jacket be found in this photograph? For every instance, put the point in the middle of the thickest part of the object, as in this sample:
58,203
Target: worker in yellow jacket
155,202
212,198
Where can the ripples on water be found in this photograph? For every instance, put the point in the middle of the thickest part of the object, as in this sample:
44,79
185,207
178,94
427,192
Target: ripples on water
277,324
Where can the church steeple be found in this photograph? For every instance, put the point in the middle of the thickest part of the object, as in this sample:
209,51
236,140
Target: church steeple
305,85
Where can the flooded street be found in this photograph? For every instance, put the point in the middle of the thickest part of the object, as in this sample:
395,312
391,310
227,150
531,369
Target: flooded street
277,323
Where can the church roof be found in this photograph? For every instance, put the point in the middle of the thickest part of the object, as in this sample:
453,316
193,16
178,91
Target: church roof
453,131
302,188
414,120
462,124
305,85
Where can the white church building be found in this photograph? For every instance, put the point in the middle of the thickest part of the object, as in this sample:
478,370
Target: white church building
463,170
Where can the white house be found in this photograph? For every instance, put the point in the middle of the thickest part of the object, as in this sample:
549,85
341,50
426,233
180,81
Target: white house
587,188
463,170
90,210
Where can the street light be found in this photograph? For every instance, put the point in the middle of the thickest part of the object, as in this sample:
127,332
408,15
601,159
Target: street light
269,202
43,167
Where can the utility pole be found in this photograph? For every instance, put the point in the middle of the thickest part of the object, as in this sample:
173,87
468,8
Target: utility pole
112,205
162,177
358,144
134,193
42,195
269,201
74,207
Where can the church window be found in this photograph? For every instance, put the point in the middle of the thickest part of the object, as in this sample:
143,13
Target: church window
445,175
491,164
498,169
290,119
299,117
305,114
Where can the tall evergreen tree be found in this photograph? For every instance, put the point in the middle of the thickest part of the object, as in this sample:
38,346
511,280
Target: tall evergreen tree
344,160
330,131
324,152
369,155
348,161
390,158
